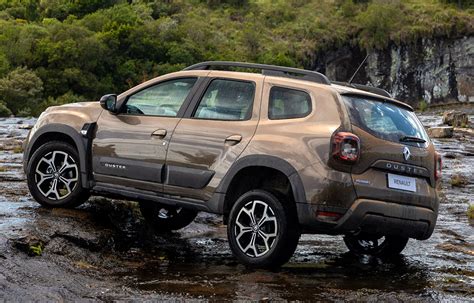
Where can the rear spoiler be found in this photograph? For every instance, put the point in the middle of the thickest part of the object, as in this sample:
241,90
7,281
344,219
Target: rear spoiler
367,88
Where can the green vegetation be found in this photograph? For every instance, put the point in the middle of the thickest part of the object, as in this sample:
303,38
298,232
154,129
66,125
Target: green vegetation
470,211
36,250
59,51
422,105
458,180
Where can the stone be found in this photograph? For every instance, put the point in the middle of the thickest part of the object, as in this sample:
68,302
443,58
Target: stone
25,126
441,132
455,118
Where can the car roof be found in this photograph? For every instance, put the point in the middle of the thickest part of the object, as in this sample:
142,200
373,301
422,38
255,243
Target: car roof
296,74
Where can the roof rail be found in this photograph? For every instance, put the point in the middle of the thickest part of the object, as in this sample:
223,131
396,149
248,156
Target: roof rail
367,88
270,70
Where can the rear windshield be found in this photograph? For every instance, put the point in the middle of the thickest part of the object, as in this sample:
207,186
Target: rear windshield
385,120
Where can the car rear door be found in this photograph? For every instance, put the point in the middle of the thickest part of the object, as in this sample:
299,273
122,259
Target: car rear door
395,164
217,127
130,147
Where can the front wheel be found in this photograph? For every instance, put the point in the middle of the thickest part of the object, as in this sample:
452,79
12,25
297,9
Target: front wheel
54,177
386,246
165,217
262,230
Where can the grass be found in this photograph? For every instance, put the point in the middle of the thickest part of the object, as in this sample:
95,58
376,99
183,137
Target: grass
36,250
458,180
17,149
422,105
470,211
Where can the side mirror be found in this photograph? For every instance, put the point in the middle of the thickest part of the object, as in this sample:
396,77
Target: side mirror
109,102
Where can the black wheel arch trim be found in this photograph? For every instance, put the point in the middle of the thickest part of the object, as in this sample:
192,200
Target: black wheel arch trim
83,145
264,161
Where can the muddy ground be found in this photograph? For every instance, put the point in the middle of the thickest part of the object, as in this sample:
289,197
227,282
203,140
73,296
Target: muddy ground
103,250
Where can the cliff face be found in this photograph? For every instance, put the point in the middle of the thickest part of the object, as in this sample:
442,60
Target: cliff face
435,70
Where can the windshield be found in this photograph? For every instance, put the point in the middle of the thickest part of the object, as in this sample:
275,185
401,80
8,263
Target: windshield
386,120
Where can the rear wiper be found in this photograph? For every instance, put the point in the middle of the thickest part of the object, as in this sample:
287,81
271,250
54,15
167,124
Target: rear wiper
412,139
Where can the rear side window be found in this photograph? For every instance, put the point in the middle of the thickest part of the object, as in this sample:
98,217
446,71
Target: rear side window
384,120
227,100
286,103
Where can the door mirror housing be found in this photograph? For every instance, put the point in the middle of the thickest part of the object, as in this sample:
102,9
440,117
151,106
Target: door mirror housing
109,102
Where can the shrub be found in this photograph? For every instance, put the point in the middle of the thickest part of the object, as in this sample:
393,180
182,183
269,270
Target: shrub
4,110
21,89
422,105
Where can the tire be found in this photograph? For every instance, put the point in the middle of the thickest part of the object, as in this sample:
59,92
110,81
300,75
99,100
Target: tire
166,218
54,177
274,238
388,246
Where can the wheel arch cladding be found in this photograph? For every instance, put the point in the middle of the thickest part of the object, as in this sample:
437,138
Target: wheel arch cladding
266,161
60,132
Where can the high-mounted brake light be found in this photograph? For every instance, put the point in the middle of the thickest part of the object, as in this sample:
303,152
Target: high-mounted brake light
438,166
346,147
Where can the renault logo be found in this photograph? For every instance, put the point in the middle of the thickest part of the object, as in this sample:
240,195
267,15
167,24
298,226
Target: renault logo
406,153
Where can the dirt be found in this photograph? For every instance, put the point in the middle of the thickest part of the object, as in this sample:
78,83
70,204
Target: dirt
104,251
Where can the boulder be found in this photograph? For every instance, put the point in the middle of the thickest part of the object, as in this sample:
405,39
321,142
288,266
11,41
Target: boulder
455,118
441,132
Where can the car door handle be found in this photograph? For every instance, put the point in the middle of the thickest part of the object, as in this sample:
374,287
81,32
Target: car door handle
234,139
159,133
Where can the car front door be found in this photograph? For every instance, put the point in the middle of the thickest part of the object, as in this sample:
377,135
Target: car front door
216,128
130,147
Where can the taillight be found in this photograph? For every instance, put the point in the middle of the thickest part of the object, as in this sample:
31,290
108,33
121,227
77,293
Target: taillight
438,166
346,147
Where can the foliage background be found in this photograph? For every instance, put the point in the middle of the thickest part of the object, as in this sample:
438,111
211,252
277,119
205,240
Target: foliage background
59,51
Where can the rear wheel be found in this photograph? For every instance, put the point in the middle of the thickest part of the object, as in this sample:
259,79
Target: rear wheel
262,229
374,245
54,177
165,217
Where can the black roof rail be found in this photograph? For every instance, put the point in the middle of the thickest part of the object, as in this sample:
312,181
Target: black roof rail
270,70
367,88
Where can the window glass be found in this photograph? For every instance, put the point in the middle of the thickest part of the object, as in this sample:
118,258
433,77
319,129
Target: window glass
164,99
383,119
226,100
288,103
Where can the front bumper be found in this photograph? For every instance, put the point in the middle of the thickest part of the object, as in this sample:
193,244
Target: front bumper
374,217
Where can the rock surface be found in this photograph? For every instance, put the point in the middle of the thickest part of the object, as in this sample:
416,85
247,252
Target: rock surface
456,118
441,132
435,70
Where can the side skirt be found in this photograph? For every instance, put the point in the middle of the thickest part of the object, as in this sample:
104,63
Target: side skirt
127,193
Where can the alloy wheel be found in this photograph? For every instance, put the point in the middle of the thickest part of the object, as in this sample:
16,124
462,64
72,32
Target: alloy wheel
56,175
256,228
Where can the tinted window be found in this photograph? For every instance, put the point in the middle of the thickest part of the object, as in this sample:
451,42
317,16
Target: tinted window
288,103
164,99
383,119
226,100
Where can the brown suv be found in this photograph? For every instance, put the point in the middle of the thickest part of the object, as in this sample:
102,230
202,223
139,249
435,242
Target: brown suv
278,153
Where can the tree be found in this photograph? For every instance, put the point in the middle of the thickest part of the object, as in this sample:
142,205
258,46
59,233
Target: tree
21,90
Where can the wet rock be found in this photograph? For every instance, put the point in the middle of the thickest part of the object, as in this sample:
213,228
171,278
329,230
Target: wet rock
441,132
455,118
450,155
25,126
30,245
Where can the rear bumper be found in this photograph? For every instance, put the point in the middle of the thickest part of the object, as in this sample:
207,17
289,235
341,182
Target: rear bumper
375,217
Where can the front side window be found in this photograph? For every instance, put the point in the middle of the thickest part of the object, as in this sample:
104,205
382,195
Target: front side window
288,103
227,100
163,99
